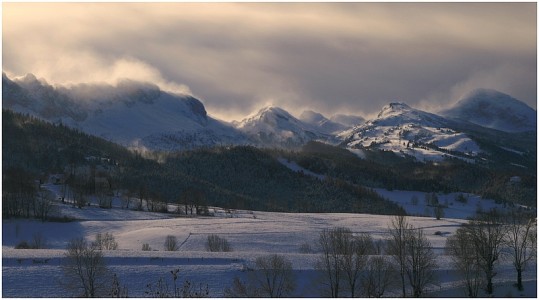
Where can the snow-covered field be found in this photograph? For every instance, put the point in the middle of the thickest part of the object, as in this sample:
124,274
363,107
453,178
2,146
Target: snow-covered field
452,207
37,273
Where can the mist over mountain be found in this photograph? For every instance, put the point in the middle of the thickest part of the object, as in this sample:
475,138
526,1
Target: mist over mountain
134,114
141,115
348,120
493,109
323,124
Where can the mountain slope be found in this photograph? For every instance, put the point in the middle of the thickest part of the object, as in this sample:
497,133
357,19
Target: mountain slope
493,109
134,114
273,126
408,131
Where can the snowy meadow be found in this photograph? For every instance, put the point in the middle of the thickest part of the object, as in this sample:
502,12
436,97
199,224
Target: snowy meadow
251,234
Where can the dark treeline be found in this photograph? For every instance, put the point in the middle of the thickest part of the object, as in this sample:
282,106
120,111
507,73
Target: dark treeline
240,177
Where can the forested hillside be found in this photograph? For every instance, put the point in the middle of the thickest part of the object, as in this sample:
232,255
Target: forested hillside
385,169
236,177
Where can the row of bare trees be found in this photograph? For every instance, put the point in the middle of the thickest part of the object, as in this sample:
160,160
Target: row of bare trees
87,274
413,255
271,277
347,264
28,204
477,246
22,197
344,257
352,266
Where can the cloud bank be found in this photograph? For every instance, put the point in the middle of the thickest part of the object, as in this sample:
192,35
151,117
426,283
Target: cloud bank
329,57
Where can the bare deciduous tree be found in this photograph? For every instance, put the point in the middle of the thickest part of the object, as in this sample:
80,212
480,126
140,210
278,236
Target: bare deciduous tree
43,205
126,199
487,234
85,269
105,242
142,194
240,289
79,194
216,243
379,276
274,275
520,239
188,290
343,258
18,193
39,241
396,246
354,251
462,251
329,263
438,212
171,243
117,290
420,261
193,198
412,253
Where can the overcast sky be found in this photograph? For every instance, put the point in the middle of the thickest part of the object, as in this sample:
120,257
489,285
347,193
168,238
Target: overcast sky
333,58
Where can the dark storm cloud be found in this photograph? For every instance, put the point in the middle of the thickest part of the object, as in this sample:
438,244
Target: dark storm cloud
347,57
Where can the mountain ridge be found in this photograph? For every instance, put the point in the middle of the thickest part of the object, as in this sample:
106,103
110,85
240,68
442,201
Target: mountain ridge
493,109
273,125
131,113
141,115
407,131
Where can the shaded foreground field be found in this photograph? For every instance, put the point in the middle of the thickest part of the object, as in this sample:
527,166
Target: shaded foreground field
37,273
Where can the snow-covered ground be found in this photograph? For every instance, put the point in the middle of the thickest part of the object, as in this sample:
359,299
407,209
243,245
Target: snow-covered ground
452,207
38,273
297,168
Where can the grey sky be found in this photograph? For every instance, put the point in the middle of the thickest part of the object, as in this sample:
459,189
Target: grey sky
333,58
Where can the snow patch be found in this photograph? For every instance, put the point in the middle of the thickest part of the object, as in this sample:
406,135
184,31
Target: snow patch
297,168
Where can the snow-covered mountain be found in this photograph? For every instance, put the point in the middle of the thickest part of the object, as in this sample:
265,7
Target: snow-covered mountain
405,130
131,113
322,123
273,126
493,109
137,114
